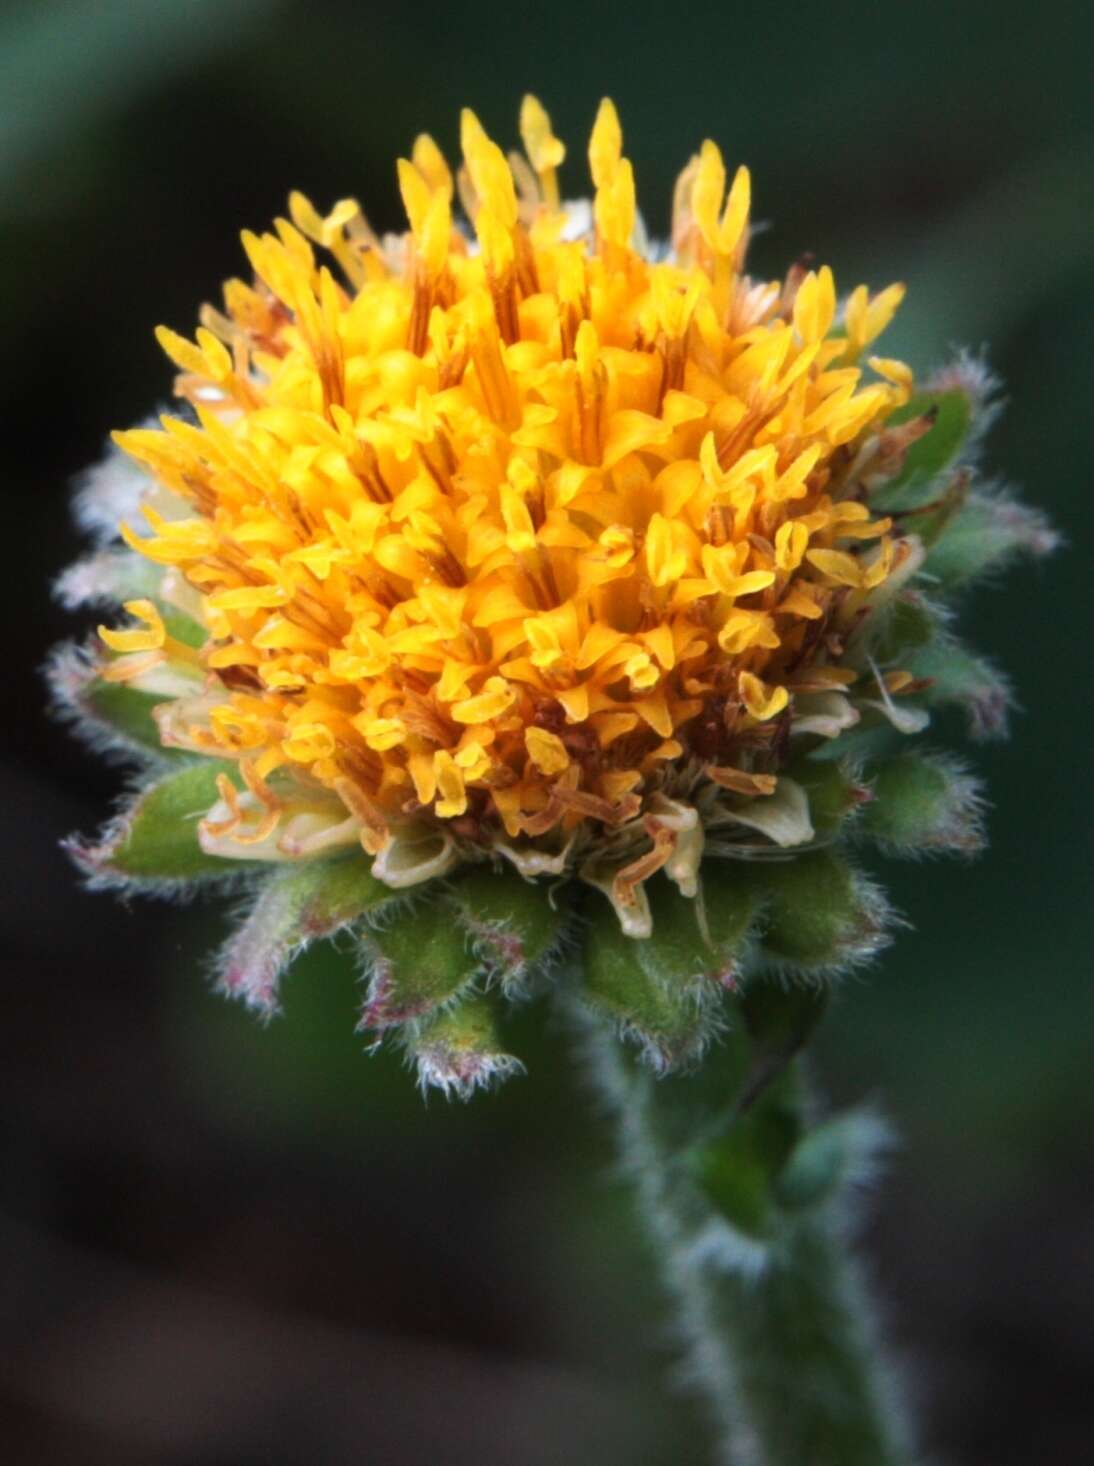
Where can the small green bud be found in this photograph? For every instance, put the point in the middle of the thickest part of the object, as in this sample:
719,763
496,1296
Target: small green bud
296,905
925,802
343,889
663,990
514,924
729,908
458,1050
957,676
421,960
985,535
820,916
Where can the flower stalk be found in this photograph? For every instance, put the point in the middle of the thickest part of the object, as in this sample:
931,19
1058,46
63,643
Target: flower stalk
514,589
749,1208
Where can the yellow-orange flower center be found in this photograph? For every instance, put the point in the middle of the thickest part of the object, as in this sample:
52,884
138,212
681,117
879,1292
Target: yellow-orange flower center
499,525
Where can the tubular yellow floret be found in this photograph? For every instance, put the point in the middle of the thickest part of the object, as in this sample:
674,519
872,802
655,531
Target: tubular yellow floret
545,152
430,163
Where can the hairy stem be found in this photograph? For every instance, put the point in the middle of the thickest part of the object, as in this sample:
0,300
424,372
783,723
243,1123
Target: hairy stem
747,1209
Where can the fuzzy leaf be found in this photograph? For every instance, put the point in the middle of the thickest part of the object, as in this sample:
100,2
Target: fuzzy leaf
113,716
833,795
663,1011
663,990
128,712
343,889
875,737
458,1050
180,626
960,677
729,906
515,923
924,802
296,905
905,625
841,1151
736,1172
680,950
986,534
667,1021
156,839
421,960
108,578
820,916
929,455
813,1170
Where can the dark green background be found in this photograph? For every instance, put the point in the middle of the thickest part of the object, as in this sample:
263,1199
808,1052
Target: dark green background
229,1245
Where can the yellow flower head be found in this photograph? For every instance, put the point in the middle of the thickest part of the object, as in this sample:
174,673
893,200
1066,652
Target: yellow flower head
516,528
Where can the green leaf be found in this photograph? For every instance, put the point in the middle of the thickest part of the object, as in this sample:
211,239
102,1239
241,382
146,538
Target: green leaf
421,960
905,625
664,990
931,522
737,1170
342,889
515,923
664,1012
986,534
832,793
729,907
128,712
818,915
297,904
180,626
157,837
958,676
829,1156
929,455
924,802
459,1049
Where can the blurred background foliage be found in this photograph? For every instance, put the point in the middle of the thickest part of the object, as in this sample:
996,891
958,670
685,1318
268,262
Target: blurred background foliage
229,1244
